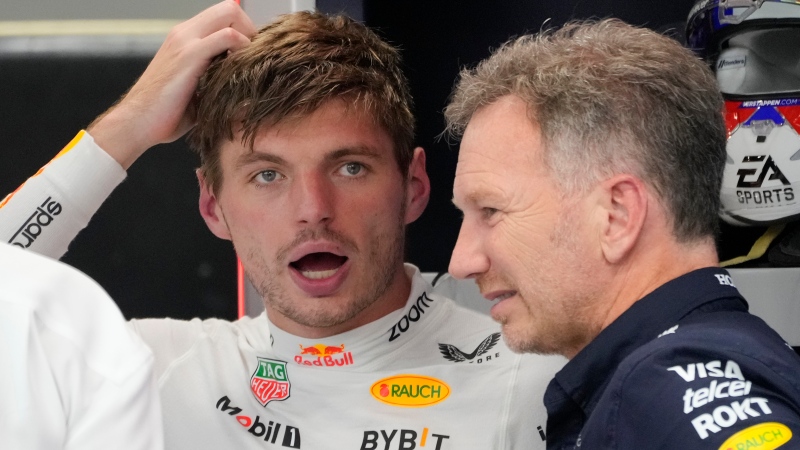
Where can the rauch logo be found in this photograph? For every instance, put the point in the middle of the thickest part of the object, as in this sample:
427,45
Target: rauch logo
764,436
412,391
270,381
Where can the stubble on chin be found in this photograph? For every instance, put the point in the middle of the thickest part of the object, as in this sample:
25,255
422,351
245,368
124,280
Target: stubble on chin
383,261
558,330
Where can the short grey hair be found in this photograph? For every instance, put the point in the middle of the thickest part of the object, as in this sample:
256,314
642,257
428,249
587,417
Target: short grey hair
612,98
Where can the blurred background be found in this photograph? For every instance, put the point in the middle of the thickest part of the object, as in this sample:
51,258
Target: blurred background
64,63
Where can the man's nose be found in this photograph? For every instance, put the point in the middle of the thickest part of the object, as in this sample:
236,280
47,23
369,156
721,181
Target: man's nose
468,259
313,199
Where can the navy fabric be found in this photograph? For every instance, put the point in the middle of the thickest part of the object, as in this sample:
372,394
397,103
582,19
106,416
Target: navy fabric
685,367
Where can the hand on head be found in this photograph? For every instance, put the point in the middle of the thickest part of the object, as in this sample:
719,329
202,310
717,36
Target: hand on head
158,108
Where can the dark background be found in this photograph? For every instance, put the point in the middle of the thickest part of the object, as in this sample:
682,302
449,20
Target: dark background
148,246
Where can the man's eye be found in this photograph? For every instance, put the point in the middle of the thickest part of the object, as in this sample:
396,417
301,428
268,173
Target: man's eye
487,213
351,169
268,176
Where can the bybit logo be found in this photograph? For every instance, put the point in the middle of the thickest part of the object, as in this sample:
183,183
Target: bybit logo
404,439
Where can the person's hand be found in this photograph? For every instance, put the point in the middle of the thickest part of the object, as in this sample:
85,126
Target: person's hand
158,108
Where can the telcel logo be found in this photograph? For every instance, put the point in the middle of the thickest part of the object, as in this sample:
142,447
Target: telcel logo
413,391
764,436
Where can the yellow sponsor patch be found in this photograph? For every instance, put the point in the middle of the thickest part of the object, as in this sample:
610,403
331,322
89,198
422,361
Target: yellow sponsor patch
764,436
412,391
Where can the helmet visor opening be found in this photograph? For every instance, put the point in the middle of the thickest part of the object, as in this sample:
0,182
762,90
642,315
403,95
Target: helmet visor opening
760,62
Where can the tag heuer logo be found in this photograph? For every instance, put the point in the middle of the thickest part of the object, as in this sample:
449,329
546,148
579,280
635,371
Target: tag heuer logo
270,381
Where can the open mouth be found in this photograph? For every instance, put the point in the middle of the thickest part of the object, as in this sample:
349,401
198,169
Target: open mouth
317,266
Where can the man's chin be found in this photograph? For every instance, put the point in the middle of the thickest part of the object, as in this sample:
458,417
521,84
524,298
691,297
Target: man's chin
519,339
319,312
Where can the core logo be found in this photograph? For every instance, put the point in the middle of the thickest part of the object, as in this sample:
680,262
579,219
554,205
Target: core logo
324,356
453,353
270,381
412,391
413,315
270,431
764,436
405,439
35,224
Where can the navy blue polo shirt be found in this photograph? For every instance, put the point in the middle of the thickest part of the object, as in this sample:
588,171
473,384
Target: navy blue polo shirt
686,367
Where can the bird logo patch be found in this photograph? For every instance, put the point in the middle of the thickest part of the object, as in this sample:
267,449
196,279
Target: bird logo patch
453,353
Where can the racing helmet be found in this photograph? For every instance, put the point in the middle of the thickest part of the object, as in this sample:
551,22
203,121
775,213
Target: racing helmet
753,46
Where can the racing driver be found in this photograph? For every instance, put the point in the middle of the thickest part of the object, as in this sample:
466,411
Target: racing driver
307,166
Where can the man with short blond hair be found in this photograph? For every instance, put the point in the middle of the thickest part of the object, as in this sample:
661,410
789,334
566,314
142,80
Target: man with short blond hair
308,167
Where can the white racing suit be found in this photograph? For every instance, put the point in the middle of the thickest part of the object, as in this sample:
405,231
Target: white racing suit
433,375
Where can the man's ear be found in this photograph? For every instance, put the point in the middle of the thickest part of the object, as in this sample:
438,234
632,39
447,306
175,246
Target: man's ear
624,203
418,187
210,209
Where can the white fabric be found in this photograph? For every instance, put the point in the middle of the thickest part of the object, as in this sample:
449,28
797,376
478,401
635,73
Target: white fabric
205,367
46,212
205,370
72,375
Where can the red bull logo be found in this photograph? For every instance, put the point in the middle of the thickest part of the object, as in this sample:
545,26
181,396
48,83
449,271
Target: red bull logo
270,381
322,355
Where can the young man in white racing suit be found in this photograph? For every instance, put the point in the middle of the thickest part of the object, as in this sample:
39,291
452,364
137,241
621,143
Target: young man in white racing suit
308,167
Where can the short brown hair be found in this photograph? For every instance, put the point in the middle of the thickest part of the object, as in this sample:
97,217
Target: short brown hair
293,66
609,97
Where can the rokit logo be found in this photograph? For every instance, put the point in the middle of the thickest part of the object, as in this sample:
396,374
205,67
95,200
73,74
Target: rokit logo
270,381
725,384
270,431
402,440
324,356
413,315
753,194
452,353
35,224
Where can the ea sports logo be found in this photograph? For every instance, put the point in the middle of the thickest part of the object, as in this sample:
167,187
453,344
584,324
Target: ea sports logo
746,179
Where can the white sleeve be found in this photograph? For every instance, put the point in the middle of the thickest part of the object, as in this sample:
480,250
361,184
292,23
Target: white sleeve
47,211
169,339
73,375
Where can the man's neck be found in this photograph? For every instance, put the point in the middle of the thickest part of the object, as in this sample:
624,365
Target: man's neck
645,271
